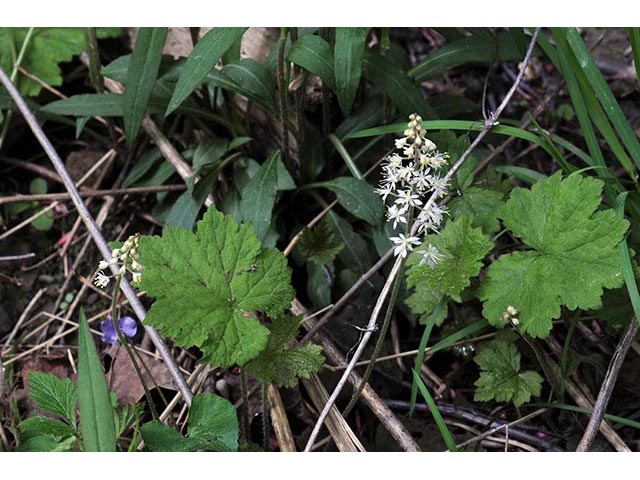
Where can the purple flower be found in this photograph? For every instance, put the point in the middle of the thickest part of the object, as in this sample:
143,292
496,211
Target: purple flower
128,326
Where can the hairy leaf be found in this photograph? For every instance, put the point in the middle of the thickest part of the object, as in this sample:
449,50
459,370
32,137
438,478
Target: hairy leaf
281,365
573,254
213,426
38,425
207,284
482,204
54,395
501,379
47,48
319,245
462,248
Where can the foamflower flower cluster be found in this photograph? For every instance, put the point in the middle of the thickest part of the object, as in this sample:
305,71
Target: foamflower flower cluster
126,257
411,187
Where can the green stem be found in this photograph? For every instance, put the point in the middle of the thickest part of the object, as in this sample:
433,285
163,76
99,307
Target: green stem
13,77
282,90
125,343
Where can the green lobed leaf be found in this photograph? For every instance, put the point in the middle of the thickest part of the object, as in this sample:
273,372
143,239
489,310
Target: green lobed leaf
281,365
319,245
213,423
202,59
213,426
38,425
54,395
348,55
141,77
46,443
462,248
357,197
207,284
314,54
47,48
97,424
160,438
482,205
573,253
500,376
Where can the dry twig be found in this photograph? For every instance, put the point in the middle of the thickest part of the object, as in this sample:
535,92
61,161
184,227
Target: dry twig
95,231
490,122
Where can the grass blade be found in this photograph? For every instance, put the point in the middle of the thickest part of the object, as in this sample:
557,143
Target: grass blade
444,430
97,423
431,321
141,77
625,260
348,55
604,94
634,39
504,46
201,60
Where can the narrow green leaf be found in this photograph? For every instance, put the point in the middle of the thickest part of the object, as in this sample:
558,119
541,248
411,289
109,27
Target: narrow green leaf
431,321
259,196
433,408
348,55
248,78
357,197
97,424
141,77
314,54
625,260
604,94
87,104
634,39
504,46
392,79
202,59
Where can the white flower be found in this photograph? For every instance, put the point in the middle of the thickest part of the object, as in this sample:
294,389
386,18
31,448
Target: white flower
421,180
103,265
101,280
439,186
404,244
384,191
430,256
408,198
395,161
401,142
397,215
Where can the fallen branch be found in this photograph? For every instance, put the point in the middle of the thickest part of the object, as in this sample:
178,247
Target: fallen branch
607,387
95,232
371,327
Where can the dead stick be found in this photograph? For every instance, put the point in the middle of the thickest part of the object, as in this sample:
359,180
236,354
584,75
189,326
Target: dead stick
372,324
95,232
45,197
607,387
